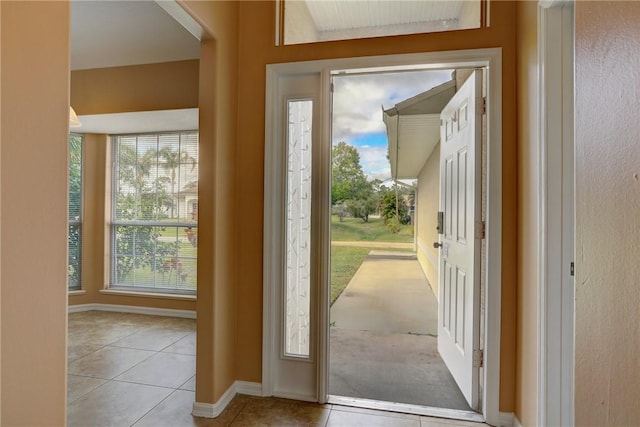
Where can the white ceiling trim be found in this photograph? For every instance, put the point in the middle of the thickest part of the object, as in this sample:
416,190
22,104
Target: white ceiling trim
139,122
182,17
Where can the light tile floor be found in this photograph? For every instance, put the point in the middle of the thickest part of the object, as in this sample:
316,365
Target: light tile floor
136,370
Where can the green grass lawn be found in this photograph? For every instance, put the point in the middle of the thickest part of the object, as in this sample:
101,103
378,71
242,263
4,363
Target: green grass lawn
345,260
354,229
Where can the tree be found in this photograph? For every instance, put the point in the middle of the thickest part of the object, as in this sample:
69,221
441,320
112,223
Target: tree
349,184
348,181
172,159
140,198
396,214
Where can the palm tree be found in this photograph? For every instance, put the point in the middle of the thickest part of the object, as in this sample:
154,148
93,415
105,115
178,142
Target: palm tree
172,160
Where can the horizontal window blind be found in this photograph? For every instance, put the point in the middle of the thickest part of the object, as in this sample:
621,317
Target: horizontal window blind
155,211
75,212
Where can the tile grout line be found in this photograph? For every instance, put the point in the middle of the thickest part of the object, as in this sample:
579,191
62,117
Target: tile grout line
154,407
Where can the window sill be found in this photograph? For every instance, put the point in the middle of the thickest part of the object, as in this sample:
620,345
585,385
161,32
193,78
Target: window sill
148,294
76,292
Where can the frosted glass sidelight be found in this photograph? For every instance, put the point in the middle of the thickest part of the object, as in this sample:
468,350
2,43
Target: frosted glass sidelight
298,229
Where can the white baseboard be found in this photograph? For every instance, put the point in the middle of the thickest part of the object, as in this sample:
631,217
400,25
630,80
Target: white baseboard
187,314
508,419
212,410
249,388
516,422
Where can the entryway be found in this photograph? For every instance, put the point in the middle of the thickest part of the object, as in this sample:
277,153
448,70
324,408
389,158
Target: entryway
296,312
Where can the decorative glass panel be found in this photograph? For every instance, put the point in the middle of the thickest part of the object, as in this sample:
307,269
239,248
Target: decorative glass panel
298,229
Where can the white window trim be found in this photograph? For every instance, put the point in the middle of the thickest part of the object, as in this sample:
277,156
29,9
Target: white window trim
111,287
556,214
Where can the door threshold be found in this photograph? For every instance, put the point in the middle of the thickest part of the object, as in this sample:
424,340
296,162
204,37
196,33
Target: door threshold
406,408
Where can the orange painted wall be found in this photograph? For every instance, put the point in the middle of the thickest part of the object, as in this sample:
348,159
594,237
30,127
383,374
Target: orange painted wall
218,211
33,207
607,164
528,241
256,50
148,87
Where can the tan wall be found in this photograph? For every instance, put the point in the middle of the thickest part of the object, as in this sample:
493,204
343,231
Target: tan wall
34,128
427,217
527,349
218,204
607,346
256,51
149,87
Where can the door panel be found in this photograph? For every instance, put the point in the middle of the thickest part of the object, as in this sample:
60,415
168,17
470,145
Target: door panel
294,349
460,192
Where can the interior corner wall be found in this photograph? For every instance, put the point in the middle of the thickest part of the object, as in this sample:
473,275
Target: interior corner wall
607,177
427,217
528,207
257,49
34,129
219,202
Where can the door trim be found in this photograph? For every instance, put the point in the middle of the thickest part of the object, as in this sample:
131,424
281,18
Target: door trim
556,214
492,279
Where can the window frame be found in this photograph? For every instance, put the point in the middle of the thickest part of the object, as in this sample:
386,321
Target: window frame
75,222
114,223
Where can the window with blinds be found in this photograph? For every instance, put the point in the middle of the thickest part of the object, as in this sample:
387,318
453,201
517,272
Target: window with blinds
154,225
75,212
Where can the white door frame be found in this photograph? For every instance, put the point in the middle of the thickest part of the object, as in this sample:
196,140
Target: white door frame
492,280
556,214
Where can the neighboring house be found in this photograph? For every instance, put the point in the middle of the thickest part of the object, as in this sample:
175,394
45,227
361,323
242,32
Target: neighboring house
229,89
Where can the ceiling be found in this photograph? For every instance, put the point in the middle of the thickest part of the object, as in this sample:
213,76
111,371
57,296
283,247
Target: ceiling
334,15
110,33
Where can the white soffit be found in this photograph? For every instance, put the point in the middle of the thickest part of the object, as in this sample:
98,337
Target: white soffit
109,33
139,122
419,134
340,15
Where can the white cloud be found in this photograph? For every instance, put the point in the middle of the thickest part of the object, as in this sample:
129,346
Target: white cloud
358,100
374,162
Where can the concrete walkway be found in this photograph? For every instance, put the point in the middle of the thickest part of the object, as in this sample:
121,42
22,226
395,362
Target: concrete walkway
383,337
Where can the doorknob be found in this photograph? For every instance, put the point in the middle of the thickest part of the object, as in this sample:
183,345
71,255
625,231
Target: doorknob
437,245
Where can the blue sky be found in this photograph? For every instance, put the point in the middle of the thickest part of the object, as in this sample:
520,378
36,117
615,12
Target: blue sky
357,111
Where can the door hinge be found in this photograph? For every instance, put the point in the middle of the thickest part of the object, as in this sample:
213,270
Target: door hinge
573,268
484,105
478,358
480,230
331,87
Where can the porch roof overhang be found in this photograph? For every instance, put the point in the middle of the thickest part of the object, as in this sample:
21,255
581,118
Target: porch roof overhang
413,129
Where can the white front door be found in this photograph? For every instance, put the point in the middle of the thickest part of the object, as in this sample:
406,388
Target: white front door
459,263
